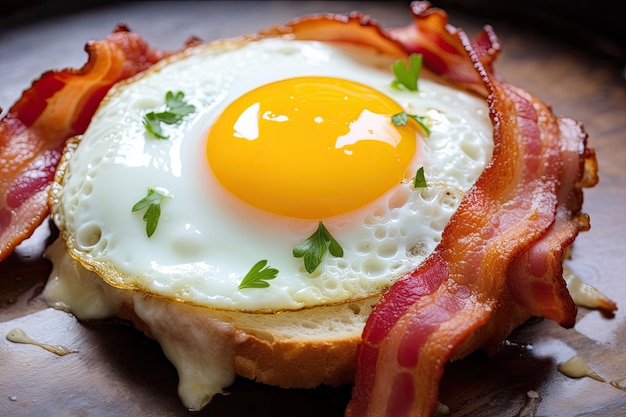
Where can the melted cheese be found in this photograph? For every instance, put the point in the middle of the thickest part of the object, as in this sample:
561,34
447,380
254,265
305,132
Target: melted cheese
200,347
583,293
73,288
18,335
576,367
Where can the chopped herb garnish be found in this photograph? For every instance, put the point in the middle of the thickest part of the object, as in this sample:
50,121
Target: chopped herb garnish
420,180
407,76
401,119
176,109
258,276
152,203
314,248
153,125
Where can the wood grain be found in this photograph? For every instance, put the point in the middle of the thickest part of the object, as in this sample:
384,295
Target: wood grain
116,371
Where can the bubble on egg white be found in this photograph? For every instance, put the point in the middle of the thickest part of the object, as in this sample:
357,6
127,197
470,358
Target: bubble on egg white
207,240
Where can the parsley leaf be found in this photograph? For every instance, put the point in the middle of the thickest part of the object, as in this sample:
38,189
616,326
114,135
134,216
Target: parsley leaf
314,248
407,76
177,105
420,180
258,276
402,118
176,109
152,204
153,125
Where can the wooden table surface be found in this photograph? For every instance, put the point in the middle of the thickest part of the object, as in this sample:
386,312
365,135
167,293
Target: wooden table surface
116,371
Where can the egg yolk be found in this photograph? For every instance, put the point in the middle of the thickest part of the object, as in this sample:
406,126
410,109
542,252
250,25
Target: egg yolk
310,147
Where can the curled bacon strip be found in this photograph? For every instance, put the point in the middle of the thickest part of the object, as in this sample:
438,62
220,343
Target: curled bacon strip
353,28
425,316
441,50
535,277
57,106
501,251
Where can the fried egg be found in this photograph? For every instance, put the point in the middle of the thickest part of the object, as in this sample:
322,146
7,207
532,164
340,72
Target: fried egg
284,135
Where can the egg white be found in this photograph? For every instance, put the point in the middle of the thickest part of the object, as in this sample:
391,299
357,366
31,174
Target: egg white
207,239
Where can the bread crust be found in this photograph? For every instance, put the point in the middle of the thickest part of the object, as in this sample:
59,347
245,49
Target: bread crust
293,349
301,349
297,363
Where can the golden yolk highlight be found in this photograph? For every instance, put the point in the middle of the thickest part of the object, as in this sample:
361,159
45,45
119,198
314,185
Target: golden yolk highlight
310,147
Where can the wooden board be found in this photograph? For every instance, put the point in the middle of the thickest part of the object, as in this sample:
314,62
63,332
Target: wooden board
116,371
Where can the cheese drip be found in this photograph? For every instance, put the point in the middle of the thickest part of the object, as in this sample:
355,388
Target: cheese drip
199,346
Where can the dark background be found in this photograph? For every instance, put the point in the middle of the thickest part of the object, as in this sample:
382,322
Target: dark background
595,26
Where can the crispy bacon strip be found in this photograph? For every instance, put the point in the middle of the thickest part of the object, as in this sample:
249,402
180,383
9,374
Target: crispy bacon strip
426,315
354,28
57,106
441,50
535,277
507,219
